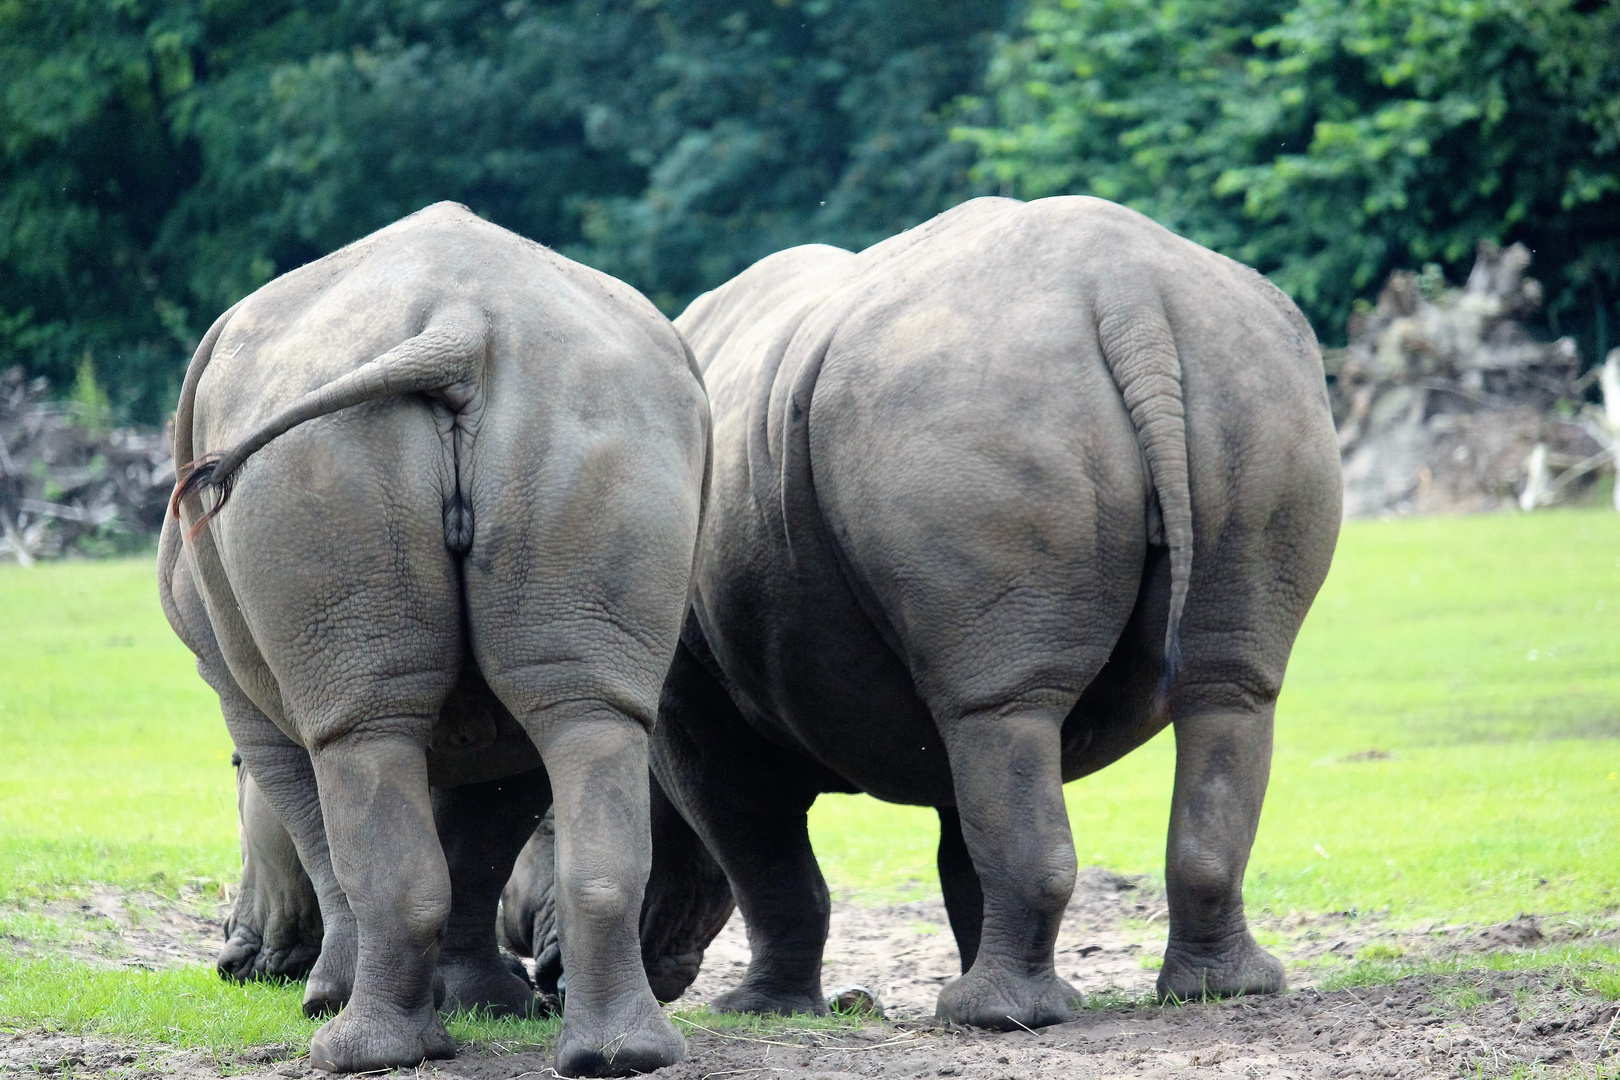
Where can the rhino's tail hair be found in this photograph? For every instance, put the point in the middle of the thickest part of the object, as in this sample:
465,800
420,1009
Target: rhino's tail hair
1141,354
449,350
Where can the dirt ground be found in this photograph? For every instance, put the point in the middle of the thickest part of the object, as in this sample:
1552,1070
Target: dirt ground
1467,1024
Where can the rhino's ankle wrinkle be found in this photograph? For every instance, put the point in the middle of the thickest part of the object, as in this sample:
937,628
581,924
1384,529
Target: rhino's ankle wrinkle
1205,901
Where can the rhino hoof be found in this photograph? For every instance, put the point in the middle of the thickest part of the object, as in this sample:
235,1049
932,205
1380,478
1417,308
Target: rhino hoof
771,1001
1235,966
245,958
364,1039
1003,1001
639,1040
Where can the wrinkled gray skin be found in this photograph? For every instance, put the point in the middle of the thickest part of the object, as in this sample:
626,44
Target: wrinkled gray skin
274,930
687,903
993,502
466,569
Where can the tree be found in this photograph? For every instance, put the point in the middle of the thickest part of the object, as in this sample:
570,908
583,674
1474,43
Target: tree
87,172
1327,142
162,158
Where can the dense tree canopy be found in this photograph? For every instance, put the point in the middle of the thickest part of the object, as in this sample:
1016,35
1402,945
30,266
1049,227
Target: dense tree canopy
1326,142
161,158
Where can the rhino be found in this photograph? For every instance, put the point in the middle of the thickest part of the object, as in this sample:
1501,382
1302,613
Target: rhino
994,502
432,548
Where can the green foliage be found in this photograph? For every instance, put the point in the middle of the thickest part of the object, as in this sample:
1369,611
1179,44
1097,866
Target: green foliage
163,158
783,123
87,171
95,411
1326,142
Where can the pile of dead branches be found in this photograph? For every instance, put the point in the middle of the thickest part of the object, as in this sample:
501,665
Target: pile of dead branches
69,481
1442,397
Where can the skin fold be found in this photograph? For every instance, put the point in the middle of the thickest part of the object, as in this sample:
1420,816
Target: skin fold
432,551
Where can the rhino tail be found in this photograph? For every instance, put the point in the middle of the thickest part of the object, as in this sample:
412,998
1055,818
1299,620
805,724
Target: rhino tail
448,351
1140,350
182,449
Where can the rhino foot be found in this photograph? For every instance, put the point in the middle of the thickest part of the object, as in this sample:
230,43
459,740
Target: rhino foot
669,976
331,981
247,958
765,1000
636,1038
1226,968
370,1035
487,984
990,997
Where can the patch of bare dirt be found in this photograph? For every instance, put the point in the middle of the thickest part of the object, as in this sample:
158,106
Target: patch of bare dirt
124,928
1474,1023
905,952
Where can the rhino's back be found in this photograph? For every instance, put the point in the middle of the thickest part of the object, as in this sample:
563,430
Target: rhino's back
324,319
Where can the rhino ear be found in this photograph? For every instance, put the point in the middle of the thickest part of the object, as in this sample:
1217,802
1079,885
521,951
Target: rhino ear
688,901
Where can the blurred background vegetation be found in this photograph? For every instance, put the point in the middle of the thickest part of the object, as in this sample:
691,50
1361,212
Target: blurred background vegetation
161,158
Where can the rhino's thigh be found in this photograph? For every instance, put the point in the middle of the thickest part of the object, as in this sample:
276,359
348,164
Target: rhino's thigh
1003,596
577,576
334,546
1267,506
995,506
585,507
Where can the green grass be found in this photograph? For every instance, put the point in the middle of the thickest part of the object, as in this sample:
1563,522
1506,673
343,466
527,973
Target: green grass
114,762
1590,969
1497,793
193,1008
189,1007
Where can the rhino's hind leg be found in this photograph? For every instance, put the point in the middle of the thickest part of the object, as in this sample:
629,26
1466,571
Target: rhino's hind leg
385,851
274,930
959,881
482,828
280,772
1258,576
748,800
612,1024
1223,759
528,920
1009,793
285,778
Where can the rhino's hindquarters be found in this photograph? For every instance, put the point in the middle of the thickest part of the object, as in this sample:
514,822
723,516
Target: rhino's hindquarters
575,584
448,446
358,613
